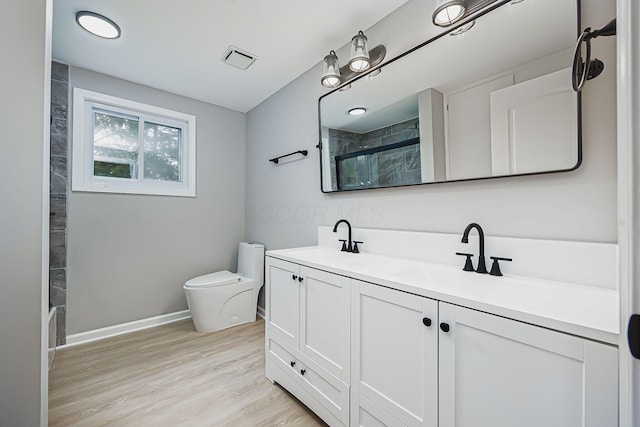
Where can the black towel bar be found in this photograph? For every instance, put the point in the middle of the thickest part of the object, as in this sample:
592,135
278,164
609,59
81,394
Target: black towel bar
277,159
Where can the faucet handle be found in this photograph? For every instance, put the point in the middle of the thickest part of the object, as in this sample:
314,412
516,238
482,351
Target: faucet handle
495,267
355,247
468,265
344,245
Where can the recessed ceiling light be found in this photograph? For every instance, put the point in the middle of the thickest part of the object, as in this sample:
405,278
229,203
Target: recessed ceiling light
357,111
97,24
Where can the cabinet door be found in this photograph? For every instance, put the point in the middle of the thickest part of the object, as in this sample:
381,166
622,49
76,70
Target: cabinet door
324,320
282,301
395,353
499,372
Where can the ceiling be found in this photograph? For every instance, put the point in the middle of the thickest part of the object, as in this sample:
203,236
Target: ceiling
176,45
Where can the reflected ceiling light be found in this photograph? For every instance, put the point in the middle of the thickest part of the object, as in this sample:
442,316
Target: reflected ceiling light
462,28
97,24
331,74
448,11
357,111
359,53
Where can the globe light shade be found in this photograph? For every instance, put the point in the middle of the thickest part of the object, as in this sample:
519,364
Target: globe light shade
359,53
331,75
448,11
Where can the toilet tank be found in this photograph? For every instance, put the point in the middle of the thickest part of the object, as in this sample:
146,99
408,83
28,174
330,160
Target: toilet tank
251,261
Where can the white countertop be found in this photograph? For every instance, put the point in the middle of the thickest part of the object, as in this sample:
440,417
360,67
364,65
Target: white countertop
585,311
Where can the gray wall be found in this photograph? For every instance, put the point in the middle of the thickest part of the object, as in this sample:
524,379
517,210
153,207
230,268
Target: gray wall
24,87
284,202
128,255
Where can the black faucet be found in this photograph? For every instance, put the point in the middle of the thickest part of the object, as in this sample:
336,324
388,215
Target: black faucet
349,247
482,268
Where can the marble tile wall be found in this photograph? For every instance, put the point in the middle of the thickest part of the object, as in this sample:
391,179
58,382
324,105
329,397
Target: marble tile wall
58,195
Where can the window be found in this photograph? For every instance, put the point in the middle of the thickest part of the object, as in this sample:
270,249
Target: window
121,146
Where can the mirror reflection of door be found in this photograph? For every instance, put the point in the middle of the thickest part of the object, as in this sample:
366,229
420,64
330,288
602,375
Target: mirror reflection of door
468,136
532,127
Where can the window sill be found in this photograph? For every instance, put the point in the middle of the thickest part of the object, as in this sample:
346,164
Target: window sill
164,190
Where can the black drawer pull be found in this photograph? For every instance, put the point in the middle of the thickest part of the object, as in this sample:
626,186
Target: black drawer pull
426,321
303,371
294,277
293,363
444,327
300,279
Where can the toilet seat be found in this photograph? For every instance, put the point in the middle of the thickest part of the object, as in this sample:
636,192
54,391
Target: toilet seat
211,280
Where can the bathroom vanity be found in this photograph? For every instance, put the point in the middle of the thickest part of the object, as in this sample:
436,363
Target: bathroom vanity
399,335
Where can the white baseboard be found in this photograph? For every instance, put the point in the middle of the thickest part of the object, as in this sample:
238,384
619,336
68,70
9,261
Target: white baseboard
124,328
261,312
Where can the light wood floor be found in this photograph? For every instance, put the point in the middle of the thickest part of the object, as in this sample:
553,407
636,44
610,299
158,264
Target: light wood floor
171,375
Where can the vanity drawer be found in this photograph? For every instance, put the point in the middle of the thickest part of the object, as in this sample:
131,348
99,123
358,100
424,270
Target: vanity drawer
365,413
325,388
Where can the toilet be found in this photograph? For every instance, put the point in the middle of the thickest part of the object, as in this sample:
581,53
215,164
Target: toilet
223,299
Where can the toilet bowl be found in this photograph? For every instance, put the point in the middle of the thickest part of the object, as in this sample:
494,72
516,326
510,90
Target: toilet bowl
223,299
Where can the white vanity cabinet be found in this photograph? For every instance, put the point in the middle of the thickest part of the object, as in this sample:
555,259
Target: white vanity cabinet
499,372
365,354
394,364
420,362
308,336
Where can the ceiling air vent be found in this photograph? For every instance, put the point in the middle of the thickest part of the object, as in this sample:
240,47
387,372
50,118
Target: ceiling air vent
238,58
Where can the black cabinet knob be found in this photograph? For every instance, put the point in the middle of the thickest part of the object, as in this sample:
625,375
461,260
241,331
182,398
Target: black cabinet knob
300,279
294,277
426,321
293,363
303,371
444,327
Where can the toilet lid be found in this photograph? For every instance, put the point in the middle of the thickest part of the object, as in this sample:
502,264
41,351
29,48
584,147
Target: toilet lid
218,278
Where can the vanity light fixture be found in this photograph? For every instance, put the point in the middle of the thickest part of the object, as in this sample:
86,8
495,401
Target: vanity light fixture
97,24
362,59
448,11
357,111
359,53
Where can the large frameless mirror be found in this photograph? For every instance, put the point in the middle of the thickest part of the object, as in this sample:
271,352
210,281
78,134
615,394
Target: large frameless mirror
493,101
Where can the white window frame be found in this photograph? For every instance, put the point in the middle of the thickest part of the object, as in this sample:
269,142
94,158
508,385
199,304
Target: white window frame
83,179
